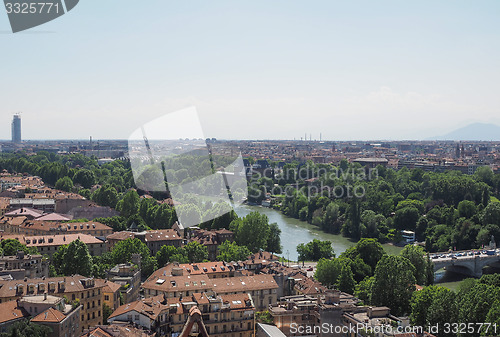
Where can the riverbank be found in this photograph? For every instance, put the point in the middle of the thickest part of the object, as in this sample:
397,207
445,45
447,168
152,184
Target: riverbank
295,232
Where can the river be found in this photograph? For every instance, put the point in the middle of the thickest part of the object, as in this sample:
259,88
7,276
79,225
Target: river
294,232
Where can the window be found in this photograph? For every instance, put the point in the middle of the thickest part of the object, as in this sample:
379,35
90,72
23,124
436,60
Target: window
98,302
106,297
136,317
73,297
99,313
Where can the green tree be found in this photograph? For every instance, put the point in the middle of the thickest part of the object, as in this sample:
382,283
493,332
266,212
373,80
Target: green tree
406,218
346,279
484,174
493,318
330,221
252,231
424,269
165,254
328,271
123,250
466,208
129,205
64,184
106,312
196,252
475,305
25,328
394,284
84,177
363,290
491,214
274,240
315,250
420,303
73,259
370,251
443,310
10,247
230,251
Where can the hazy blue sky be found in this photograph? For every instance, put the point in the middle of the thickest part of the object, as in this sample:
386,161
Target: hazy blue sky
255,69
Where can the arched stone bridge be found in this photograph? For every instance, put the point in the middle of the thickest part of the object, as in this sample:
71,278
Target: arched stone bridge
470,265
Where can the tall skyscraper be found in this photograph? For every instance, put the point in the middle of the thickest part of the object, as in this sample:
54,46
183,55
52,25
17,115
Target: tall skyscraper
16,129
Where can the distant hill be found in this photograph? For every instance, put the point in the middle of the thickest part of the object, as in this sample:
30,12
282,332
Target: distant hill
475,131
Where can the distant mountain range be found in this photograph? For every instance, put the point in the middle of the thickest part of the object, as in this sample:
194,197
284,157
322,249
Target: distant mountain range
475,131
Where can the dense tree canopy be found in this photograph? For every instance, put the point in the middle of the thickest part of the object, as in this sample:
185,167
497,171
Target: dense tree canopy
315,250
73,259
393,284
230,251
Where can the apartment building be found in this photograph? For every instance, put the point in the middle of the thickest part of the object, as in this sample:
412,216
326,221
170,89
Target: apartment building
23,266
224,315
154,239
53,312
49,244
128,275
38,227
77,289
173,282
111,293
212,240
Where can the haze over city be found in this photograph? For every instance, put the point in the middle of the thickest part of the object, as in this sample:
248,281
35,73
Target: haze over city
364,70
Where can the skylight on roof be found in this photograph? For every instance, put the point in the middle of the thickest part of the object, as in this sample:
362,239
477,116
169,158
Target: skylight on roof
160,281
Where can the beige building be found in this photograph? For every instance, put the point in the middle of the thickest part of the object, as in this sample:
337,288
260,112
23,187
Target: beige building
24,265
53,312
111,292
49,244
37,227
223,315
174,282
128,275
77,289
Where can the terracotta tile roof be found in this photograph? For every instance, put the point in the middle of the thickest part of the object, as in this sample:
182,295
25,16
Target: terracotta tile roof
114,330
54,217
162,235
97,332
4,202
66,227
169,283
34,213
206,268
50,315
13,221
150,307
124,235
11,311
75,283
51,240
108,286
237,301
243,283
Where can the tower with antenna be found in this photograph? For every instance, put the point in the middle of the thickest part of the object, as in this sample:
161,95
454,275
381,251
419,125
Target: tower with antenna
16,128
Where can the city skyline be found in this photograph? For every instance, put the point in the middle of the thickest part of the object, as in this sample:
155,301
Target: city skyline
348,71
